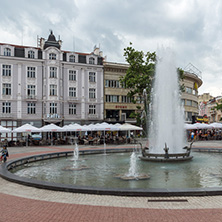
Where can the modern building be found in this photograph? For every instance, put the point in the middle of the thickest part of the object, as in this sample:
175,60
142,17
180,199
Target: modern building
117,106
192,81
46,84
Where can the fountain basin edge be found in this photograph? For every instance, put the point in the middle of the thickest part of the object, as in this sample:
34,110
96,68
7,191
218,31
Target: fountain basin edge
6,174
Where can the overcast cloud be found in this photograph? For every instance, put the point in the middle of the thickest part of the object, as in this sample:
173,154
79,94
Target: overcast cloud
193,28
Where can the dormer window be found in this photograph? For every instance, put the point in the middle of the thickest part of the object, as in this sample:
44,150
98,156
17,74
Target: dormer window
31,54
72,58
52,56
91,60
7,52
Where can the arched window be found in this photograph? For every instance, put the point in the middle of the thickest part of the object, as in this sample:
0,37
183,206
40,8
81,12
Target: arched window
91,60
52,56
7,52
31,54
72,58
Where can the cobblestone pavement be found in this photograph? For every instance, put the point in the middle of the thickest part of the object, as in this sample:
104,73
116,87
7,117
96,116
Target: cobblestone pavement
23,203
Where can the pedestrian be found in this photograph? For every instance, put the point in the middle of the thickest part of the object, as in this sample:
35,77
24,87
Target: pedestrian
4,153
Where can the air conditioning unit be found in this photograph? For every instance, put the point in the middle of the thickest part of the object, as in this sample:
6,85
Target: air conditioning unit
123,117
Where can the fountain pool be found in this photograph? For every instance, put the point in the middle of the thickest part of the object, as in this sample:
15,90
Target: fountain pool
103,169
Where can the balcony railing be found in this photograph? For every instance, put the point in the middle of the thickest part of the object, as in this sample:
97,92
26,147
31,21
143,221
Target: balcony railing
31,97
53,117
5,115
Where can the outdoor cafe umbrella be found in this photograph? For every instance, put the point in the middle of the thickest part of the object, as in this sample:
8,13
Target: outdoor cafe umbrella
202,126
4,130
50,128
129,127
75,127
216,125
26,128
104,127
189,126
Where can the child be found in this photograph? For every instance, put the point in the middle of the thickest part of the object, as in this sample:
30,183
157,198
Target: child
4,155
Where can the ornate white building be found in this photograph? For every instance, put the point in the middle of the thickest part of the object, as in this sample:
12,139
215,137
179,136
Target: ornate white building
46,84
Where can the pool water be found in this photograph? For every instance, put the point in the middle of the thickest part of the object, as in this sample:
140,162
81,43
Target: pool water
204,170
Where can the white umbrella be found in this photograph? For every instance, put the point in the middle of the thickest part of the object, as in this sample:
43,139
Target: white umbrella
189,126
52,128
216,125
26,128
4,130
128,127
76,127
105,127
202,126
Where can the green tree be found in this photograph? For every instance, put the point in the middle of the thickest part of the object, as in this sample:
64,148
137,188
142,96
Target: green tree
138,78
219,107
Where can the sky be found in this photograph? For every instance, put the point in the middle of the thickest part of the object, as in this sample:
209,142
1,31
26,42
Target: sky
192,28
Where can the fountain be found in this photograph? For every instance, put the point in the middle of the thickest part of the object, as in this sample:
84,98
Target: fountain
166,125
75,160
114,175
133,173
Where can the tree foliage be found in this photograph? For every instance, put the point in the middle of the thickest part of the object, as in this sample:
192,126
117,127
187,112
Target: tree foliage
219,106
140,72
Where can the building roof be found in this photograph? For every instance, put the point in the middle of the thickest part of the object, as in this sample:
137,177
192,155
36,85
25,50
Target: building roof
51,41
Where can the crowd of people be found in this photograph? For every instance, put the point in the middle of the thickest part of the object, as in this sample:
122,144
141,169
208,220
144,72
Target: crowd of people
204,134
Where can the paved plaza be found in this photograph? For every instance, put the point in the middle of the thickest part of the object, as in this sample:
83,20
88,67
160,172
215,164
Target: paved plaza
23,203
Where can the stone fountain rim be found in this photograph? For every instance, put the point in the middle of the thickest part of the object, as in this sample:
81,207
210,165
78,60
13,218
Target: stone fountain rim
6,174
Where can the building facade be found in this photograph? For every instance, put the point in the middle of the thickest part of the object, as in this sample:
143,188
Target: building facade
117,106
192,81
45,84
207,103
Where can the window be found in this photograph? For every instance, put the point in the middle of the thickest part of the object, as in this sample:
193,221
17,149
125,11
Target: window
112,99
6,70
195,104
31,108
72,58
92,109
31,91
188,90
92,76
91,60
139,99
31,54
126,99
72,92
7,52
189,116
53,90
189,103
6,107
30,72
92,93
112,83
53,72
72,75
6,89
194,92
182,102
53,108
72,109
52,56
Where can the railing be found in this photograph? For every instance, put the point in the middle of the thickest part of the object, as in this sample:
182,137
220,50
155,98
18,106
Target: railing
52,117
5,115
